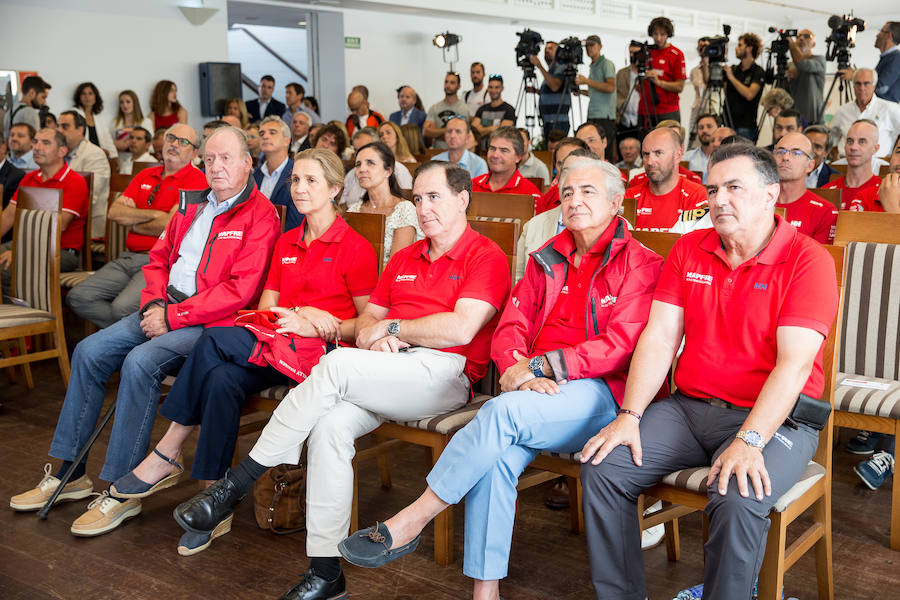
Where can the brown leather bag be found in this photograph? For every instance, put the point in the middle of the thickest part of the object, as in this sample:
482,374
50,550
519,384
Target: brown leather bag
278,499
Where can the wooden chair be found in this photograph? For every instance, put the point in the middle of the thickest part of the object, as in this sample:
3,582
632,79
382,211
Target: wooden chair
840,168
35,279
431,153
371,227
869,323
884,170
137,167
835,175
504,232
685,163
629,210
281,209
546,157
685,491
538,183
781,211
831,195
86,258
516,206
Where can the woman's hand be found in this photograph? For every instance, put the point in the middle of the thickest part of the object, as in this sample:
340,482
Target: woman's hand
326,325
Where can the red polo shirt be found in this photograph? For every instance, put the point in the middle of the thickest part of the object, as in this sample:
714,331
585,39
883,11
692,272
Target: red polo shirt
75,200
327,273
669,60
549,200
660,213
516,185
812,215
859,197
731,315
565,325
412,286
165,197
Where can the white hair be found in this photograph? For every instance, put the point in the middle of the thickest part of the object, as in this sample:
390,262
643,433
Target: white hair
612,177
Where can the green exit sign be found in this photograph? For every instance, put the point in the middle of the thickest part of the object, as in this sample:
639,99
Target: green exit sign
351,42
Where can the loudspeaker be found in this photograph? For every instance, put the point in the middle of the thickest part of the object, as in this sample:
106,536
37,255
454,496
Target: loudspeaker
219,82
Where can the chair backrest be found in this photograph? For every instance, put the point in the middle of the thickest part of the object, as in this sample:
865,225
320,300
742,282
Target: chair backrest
118,183
629,210
36,239
660,242
137,167
371,227
407,194
86,254
538,183
505,232
852,226
281,209
884,170
832,195
781,211
515,206
431,152
842,169
546,157
823,454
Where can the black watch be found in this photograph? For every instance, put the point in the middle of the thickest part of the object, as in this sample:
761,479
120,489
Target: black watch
536,365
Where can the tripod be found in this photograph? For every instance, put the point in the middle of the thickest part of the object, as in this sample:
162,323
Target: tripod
528,105
714,97
565,91
843,93
649,119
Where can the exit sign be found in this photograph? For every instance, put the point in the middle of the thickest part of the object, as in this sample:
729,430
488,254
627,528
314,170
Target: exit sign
351,42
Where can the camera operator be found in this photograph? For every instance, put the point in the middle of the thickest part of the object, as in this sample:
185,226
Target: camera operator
807,76
553,104
626,78
601,85
888,68
743,86
665,80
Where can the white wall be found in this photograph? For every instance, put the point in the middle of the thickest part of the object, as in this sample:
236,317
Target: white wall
117,44
256,61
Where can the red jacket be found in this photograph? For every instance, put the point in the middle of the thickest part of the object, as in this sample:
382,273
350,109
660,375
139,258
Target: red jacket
233,268
617,311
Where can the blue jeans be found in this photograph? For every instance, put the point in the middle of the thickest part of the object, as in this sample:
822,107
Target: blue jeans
484,460
144,363
747,132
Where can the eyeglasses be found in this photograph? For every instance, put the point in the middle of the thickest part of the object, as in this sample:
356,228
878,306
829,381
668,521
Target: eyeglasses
183,142
795,152
496,77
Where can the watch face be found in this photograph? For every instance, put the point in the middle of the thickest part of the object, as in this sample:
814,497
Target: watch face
536,363
753,438
393,328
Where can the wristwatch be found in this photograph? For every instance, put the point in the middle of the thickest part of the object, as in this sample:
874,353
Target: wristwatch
536,364
393,328
751,438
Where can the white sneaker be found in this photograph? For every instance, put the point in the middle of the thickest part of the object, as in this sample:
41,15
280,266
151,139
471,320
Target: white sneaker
650,538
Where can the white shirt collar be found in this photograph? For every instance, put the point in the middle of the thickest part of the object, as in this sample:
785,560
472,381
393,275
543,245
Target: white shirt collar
265,168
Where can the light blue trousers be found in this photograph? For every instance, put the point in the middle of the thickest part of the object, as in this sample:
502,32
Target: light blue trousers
483,461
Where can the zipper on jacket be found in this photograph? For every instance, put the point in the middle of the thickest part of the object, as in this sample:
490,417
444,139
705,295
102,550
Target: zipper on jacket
594,316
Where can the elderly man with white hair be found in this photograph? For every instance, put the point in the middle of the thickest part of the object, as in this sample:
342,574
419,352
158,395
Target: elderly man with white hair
867,105
563,346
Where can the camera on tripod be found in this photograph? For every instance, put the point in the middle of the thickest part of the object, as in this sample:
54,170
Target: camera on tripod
529,44
843,37
569,53
779,48
641,57
716,47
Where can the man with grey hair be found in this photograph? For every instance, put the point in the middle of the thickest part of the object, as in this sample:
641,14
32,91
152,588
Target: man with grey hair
823,140
869,106
273,175
760,299
208,263
563,346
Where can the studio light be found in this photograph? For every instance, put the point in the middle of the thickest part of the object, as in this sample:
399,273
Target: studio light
446,40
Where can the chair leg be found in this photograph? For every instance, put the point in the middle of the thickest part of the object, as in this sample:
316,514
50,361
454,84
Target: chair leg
384,465
354,510
895,497
576,512
443,523
673,536
26,367
771,575
63,352
824,564
7,353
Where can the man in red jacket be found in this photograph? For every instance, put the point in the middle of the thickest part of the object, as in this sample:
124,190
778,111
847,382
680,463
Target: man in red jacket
209,262
563,345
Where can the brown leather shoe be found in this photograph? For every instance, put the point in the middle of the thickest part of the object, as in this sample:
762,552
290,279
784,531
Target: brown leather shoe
558,497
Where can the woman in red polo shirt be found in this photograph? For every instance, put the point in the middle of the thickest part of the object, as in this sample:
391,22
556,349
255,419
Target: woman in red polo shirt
319,279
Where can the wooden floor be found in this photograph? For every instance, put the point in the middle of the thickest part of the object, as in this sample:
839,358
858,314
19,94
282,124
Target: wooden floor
41,559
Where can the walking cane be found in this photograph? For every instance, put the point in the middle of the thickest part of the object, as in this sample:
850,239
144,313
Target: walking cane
81,454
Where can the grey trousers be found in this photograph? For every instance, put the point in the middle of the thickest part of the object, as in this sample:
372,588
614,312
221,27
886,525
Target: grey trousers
112,292
68,261
676,433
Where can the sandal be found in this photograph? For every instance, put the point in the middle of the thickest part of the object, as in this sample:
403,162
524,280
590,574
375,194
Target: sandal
129,486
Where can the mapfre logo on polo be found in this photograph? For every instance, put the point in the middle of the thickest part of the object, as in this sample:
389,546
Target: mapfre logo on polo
698,278
405,278
289,260
237,234
608,300
645,211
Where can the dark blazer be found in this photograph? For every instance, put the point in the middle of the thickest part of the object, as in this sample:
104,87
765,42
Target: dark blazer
275,108
282,194
825,175
10,176
416,116
304,146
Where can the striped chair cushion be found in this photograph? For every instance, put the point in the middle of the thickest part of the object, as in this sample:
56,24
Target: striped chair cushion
115,238
14,316
450,422
32,257
570,456
865,401
694,480
870,335
70,280
498,219
98,247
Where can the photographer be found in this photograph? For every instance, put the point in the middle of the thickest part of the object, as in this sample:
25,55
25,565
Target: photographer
601,85
743,86
665,80
807,76
553,103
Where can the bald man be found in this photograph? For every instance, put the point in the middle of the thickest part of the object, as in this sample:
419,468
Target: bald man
859,187
869,106
408,113
809,213
664,194
360,113
807,76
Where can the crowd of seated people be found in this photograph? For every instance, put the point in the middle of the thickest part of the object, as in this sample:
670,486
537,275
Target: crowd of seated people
209,288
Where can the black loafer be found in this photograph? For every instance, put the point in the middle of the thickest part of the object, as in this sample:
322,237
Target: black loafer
371,547
313,587
205,511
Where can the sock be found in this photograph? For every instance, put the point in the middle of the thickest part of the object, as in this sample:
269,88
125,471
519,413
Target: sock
76,474
245,474
326,567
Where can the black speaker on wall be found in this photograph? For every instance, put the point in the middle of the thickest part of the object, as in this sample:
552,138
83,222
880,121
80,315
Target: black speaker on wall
218,82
